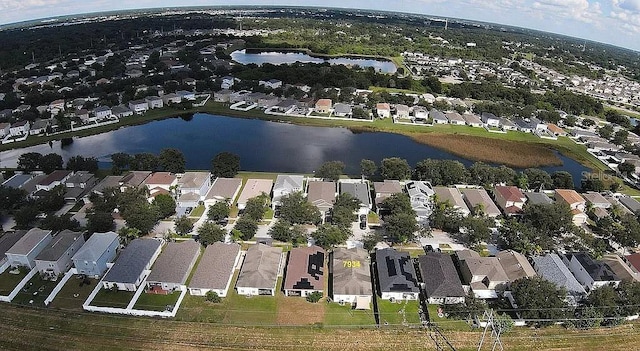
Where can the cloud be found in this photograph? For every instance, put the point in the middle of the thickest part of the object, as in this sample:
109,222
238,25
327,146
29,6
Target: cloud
626,14
630,5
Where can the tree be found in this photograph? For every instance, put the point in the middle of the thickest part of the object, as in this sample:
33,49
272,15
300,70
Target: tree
331,170
145,161
627,168
210,233
469,309
395,168
165,204
129,234
620,137
225,164
99,222
79,163
143,218
314,297
213,297
606,300
328,236
562,180
476,229
519,237
606,131
50,162
400,227
25,215
119,162
398,203
53,200
56,223
539,300
592,183
283,231
183,225
295,209
368,167
172,160
256,207
538,178
343,210
586,318
29,161
218,211
629,295
11,198
247,226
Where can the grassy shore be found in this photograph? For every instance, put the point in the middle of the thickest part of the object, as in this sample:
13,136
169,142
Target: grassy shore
517,148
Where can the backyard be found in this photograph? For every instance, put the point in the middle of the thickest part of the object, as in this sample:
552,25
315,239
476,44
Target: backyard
346,316
157,302
74,293
398,313
112,298
8,281
35,291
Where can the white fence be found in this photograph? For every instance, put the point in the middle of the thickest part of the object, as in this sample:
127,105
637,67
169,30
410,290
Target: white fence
59,287
18,287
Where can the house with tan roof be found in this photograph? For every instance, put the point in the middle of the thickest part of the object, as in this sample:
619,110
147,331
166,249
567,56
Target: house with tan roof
254,188
259,272
223,189
351,277
621,268
479,200
555,130
452,197
515,265
171,269
305,271
133,180
215,269
322,195
510,199
159,181
484,275
385,189
383,110
596,200
194,182
576,203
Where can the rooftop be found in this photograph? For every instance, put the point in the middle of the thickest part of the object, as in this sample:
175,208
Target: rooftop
551,268
321,193
359,191
515,265
59,245
569,196
215,266
132,261
439,275
351,273
55,176
193,180
224,188
161,178
260,267
396,272
510,193
97,244
29,241
174,263
254,188
305,269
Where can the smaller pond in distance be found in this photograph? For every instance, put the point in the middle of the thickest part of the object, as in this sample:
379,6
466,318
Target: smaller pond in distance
279,58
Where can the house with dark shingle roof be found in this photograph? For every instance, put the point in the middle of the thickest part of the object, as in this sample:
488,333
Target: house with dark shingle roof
259,272
360,191
537,198
56,258
215,269
397,277
591,273
23,253
171,269
133,264
351,276
54,179
440,279
7,240
100,249
305,271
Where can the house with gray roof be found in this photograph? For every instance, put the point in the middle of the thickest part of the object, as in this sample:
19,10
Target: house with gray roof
171,269
490,120
194,182
551,268
121,111
342,110
17,181
215,269
472,120
286,184
478,199
591,273
507,124
596,200
223,189
7,240
440,279
455,118
536,198
56,258
92,258
259,272
358,190
438,117
351,275
632,204
397,278
109,182
23,253
420,194
305,271
133,264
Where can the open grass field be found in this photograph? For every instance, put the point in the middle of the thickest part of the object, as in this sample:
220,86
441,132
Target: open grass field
9,281
108,298
35,292
446,323
398,313
72,295
298,311
156,302
345,316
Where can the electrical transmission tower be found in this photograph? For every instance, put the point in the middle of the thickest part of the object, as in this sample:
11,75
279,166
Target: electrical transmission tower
495,332
438,338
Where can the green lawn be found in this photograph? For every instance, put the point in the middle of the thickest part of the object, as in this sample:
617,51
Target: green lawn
337,315
72,295
373,217
398,313
109,298
35,291
156,302
446,323
197,212
9,281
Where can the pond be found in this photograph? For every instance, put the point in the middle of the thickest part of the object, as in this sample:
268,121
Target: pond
262,145
279,58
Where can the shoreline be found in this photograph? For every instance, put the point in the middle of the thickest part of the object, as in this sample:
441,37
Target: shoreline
563,145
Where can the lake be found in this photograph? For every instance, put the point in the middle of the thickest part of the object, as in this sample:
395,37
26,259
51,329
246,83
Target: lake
279,58
262,145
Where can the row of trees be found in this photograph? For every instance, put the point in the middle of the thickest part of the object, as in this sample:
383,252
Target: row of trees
33,161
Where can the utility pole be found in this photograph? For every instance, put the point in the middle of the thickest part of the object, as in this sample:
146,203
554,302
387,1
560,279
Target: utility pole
495,332
446,23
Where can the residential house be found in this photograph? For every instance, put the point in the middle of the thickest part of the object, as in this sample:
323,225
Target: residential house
102,112
490,120
286,184
92,258
440,280
19,128
484,275
591,273
621,268
615,203
154,102
24,252
56,258
632,204
322,195
438,117
138,106
507,124
267,101
305,271
271,83
596,200
173,98
555,130
420,194
453,197
323,106
133,264
383,110
107,182
551,268
342,110
576,203
194,182
472,120
4,129
17,181
384,190
420,113
259,272
455,118
222,95
39,127
223,189
133,180
523,126
7,240
402,111
171,269
285,106
215,269
227,82
515,265
56,106
538,198
397,277
121,111
510,199
358,190
633,260
479,201
254,188
351,277
186,95
161,183
54,179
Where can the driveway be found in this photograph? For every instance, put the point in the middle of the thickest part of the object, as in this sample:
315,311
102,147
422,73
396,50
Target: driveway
439,237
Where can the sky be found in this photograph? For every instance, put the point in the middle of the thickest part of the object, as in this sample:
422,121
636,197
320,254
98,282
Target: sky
614,22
